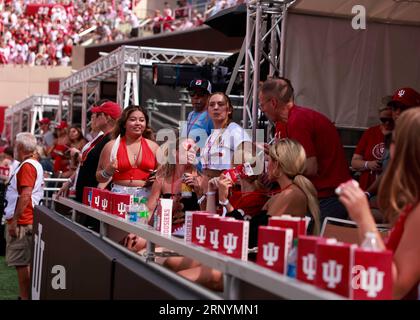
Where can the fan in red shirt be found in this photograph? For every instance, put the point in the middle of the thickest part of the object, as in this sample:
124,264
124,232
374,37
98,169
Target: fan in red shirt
326,165
370,150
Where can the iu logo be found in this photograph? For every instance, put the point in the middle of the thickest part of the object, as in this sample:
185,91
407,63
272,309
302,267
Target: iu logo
372,281
97,201
214,238
121,208
270,253
104,204
200,233
331,273
309,266
37,264
230,242
401,93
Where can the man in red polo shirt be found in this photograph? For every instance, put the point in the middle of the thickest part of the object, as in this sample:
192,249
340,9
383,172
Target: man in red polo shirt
326,164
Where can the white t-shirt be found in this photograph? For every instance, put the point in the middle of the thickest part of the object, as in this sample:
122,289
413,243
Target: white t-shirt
220,146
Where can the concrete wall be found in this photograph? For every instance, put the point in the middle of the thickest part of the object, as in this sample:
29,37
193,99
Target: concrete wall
20,82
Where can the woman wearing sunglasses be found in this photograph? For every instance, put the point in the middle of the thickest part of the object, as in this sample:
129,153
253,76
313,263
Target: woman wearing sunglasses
370,150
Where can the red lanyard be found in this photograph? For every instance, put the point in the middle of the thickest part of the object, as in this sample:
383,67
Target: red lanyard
92,145
189,127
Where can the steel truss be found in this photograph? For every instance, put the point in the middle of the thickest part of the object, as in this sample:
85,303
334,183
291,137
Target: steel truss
23,116
123,66
264,42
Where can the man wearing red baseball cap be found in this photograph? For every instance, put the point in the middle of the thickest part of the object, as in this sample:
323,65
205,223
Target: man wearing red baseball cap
403,99
108,108
104,117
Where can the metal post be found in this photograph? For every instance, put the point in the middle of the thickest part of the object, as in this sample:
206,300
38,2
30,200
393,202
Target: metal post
135,86
183,100
20,121
34,113
120,86
283,40
273,48
103,229
60,107
84,107
70,108
127,90
248,39
256,78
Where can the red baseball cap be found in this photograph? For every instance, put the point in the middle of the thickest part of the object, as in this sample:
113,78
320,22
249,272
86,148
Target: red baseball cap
63,124
405,96
109,108
45,121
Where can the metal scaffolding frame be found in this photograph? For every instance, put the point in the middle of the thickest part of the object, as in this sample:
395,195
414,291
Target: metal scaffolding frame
123,66
28,112
260,45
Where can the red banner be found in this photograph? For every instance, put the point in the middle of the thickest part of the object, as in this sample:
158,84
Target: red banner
46,9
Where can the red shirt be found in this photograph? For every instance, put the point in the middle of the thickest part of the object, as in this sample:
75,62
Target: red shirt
142,170
371,147
320,139
250,202
26,177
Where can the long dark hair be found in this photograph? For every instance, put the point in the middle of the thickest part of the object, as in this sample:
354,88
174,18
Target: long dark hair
119,128
79,130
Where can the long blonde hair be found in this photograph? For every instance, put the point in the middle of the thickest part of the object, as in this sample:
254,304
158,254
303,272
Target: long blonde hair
167,169
290,158
400,185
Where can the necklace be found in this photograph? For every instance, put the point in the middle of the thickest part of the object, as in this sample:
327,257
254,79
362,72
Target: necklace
136,156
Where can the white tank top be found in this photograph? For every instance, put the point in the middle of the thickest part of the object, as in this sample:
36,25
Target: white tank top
12,192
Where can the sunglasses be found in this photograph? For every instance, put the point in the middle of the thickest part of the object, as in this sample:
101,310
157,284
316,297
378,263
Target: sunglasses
385,120
400,106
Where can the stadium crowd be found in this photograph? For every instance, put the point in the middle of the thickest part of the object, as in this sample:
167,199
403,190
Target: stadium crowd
44,32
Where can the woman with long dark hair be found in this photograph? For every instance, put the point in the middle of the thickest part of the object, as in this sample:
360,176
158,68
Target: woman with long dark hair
130,158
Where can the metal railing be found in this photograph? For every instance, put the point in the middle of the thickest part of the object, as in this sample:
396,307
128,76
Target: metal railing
52,185
234,270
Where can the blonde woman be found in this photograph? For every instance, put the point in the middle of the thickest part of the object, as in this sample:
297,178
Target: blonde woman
399,199
297,195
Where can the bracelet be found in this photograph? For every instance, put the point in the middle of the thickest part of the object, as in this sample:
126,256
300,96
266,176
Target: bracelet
211,193
105,174
366,165
224,203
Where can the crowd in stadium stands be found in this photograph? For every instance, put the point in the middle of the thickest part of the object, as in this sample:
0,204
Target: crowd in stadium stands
44,32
